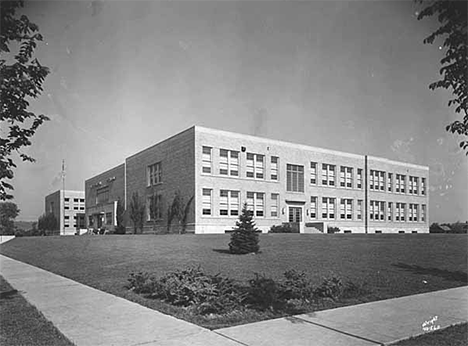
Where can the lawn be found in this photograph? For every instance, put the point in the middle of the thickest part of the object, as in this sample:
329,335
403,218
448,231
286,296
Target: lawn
21,323
387,265
452,336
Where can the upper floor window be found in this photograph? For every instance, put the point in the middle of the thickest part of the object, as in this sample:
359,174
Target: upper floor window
346,176
154,174
377,180
229,202
328,174
423,186
274,168
389,182
313,173
206,202
274,207
400,183
255,166
256,203
413,185
328,208
102,195
313,207
294,178
206,160
359,178
228,162
346,209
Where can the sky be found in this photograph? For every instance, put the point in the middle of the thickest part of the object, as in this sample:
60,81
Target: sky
344,75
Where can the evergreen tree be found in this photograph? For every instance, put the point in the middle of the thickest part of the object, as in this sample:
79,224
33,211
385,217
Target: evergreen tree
244,239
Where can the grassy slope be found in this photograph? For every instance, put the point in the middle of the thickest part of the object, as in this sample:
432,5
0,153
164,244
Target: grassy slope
22,324
452,336
389,265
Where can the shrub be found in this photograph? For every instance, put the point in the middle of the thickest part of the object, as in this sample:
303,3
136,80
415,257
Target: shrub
331,287
265,293
284,228
297,286
244,238
331,229
191,288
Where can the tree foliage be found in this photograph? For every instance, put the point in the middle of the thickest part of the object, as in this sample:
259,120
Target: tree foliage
452,15
244,239
48,224
8,213
137,213
178,211
119,216
22,77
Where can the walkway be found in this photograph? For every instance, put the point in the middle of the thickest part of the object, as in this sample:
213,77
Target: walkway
91,317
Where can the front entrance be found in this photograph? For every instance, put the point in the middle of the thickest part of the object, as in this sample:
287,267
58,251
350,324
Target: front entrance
295,217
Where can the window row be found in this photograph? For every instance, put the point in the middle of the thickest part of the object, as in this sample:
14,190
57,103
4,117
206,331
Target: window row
414,185
397,211
230,203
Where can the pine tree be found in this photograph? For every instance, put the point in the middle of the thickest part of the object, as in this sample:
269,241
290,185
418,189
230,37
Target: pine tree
244,239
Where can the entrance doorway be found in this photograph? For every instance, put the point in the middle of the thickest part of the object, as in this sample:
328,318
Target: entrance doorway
295,217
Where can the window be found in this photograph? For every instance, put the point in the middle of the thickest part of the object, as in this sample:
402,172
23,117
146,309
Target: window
229,203
81,200
377,210
67,217
413,212
256,203
359,178
413,185
102,195
328,174
206,160
228,162
294,178
274,168
109,219
67,199
423,186
274,207
389,211
255,166
328,208
313,173
90,221
400,183
346,176
389,182
423,212
400,211
206,202
377,180
346,209
154,174
76,200
154,207
313,207
359,209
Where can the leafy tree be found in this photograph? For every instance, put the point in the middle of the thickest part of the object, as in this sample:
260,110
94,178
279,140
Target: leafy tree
179,211
137,213
244,239
8,213
48,224
119,216
21,79
452,15
155,209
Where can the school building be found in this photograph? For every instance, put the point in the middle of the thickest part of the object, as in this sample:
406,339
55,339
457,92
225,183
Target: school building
68,207
218,171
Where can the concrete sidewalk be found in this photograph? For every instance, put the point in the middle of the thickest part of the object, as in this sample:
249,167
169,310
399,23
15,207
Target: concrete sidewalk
376,323
90,317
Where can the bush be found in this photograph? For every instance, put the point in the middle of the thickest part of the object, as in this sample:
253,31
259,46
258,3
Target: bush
120,229
284,228
297,286
191,288
331,229
331,287
265,293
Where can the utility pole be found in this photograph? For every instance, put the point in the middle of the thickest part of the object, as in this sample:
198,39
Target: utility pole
63,189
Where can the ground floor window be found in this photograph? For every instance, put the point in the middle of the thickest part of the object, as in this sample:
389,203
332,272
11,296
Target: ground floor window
328,208
346,209
256,203
274,206
228,202
206,202
109,219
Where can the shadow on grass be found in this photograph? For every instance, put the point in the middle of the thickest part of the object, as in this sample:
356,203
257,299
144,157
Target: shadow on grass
8,294
225,251
446,274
